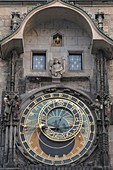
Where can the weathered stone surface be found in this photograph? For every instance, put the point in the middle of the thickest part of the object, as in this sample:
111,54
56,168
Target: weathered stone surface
111,143
39,37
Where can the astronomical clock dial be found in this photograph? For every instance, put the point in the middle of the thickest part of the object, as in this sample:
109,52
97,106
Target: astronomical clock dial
57,129
60,119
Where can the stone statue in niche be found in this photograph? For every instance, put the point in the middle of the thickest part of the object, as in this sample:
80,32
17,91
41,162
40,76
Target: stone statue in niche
108,105
7,109
16,107
12,106
15,21
97,107
57,67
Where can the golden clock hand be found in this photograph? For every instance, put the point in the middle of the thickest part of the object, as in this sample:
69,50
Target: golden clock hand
31,127
61,118
52,127
42,126
26,126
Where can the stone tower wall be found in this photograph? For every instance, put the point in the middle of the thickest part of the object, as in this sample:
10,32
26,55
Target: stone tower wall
30,39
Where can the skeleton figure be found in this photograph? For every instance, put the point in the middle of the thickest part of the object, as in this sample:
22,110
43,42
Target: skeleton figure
56,67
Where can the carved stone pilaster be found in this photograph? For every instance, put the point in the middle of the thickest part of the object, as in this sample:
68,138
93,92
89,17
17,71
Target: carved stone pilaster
102,124
97,74
1,147
11,109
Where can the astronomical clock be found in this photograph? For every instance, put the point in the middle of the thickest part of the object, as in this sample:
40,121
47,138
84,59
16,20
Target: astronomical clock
56,128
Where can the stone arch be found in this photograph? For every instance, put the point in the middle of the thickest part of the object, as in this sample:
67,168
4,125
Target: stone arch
59,9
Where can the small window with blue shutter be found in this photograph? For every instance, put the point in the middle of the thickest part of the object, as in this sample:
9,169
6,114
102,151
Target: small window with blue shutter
75,62
39,61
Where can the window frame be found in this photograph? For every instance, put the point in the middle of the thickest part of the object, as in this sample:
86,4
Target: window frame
37,53
75,53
